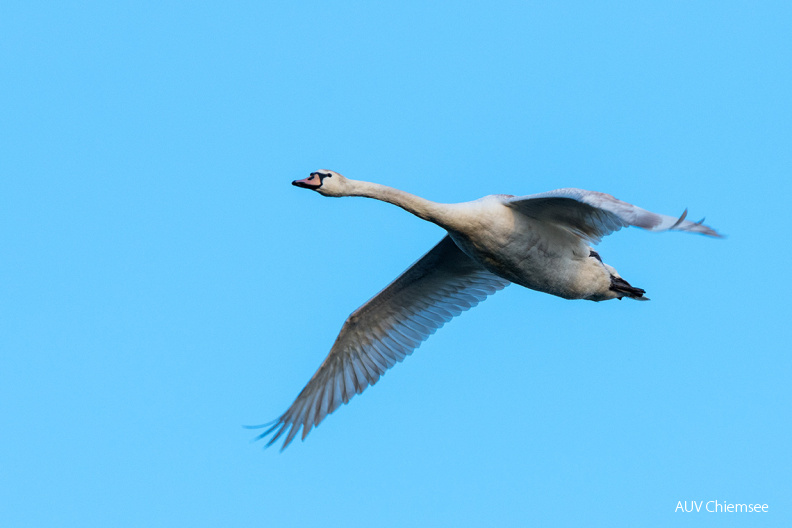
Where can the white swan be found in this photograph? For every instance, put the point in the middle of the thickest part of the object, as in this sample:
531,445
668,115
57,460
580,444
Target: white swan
539,241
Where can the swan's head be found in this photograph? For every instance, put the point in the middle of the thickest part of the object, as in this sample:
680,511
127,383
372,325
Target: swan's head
325,182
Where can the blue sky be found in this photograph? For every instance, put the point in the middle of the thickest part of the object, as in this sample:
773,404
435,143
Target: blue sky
163,283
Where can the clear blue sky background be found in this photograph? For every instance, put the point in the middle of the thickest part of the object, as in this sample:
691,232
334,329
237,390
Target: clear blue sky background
162,283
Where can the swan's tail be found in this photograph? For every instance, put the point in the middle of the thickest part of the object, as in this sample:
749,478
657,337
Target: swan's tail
623,289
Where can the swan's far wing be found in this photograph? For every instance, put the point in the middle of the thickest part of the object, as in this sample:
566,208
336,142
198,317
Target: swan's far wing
439,286
593,215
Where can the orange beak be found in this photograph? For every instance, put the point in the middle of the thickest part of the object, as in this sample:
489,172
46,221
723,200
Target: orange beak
311,182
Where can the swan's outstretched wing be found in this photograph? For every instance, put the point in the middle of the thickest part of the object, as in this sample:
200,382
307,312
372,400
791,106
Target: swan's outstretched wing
439,286
593,215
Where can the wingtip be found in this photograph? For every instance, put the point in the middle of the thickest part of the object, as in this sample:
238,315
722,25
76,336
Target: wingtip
260,426
272,427
707,230
694,227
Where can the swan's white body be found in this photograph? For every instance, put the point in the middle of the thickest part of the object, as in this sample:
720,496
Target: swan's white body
539,241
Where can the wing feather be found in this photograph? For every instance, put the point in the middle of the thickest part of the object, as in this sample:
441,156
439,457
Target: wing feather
435,289
592,215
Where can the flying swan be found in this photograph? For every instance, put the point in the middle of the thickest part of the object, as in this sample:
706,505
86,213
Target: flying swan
539,241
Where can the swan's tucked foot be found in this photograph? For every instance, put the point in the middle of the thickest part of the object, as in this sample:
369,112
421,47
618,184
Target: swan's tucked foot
623,288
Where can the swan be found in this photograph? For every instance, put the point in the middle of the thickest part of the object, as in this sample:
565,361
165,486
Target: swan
539,241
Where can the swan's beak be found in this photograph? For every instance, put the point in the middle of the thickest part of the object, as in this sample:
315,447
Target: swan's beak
308,184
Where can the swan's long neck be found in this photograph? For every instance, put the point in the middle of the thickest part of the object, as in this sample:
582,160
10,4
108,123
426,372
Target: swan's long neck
440,214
